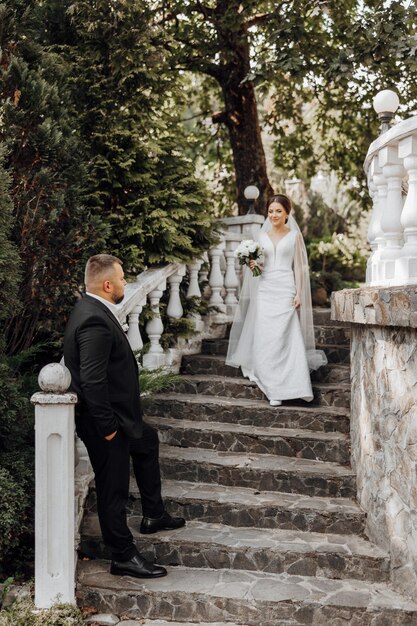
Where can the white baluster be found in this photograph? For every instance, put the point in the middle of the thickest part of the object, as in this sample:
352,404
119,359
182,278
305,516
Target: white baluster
154,329
216,277
373,192
223,268
54,471
174,309
393,171
204,274
380,183
133,333
231,281
194,292
407,264
193,285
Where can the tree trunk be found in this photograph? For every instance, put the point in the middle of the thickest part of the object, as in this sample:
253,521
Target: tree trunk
240,112
242,121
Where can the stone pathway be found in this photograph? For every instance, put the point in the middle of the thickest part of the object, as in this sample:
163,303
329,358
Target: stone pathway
274,536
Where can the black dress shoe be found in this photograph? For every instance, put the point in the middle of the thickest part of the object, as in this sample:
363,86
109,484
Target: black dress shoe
150,525
138,567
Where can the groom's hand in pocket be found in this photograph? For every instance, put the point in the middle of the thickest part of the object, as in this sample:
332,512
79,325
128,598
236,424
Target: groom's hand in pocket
112,436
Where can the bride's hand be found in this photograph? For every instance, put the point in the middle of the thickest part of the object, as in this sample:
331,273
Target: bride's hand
252,264
297,302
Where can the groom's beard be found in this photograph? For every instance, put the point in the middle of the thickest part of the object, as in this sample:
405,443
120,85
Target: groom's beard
118,299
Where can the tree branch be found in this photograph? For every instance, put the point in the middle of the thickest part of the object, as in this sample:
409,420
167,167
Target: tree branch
260,18
201,8
219,117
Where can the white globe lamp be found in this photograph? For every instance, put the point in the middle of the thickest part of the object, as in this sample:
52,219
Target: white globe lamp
251,194
386,102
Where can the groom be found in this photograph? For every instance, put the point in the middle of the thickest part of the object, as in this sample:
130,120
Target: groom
108,417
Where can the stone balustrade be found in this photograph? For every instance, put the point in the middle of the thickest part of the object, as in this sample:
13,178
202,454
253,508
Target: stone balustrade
218,268
383,318
391,168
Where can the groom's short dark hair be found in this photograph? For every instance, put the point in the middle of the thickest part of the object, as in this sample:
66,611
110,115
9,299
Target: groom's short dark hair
98,265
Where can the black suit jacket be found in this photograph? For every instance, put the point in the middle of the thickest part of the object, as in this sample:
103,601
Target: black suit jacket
104,371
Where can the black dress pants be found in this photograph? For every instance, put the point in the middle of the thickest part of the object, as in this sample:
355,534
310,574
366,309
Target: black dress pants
111,464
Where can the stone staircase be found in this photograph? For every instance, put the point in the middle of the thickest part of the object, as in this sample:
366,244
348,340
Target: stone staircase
274,535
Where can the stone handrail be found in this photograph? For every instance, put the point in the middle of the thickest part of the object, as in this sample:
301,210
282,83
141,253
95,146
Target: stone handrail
391,168
60,491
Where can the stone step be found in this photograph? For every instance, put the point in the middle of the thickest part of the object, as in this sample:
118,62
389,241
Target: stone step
148,622
258,471
206,364
322,316
243,597
304,444
245,507
325,394
335,353
332,373
247,412
333,335
206,545
337,335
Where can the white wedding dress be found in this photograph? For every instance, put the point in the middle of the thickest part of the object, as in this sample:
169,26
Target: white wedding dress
267,340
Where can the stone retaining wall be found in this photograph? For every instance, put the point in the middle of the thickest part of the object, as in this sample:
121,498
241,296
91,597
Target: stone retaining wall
384,418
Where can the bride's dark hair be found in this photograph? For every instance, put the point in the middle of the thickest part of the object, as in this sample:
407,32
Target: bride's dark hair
283,200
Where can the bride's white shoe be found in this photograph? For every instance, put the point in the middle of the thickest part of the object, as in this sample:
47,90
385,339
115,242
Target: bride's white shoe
275,402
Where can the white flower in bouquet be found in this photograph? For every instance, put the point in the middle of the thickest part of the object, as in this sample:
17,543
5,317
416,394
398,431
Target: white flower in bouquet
249,250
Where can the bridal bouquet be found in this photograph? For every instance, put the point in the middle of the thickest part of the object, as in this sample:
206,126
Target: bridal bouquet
249,250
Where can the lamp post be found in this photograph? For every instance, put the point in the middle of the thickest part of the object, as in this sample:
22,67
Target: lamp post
386,103
251,194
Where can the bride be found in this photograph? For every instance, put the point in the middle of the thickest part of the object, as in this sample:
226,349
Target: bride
272,336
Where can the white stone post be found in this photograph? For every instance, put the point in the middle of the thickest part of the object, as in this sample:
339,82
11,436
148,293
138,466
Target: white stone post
231,280
154,329
216,277
407,263
393,171
174,308
54,490
133,333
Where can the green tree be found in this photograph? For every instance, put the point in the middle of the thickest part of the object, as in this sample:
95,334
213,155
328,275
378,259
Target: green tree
334,54
139,179
9,256
16,426
52,229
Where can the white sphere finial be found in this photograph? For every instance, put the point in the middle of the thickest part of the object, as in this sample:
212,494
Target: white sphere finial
386,101
54,378
251,192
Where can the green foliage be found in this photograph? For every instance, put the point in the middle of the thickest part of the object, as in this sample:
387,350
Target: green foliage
334,238
52,229
16,474
23,613
9,257
337,253
315,66
16,422
157,380
138,178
